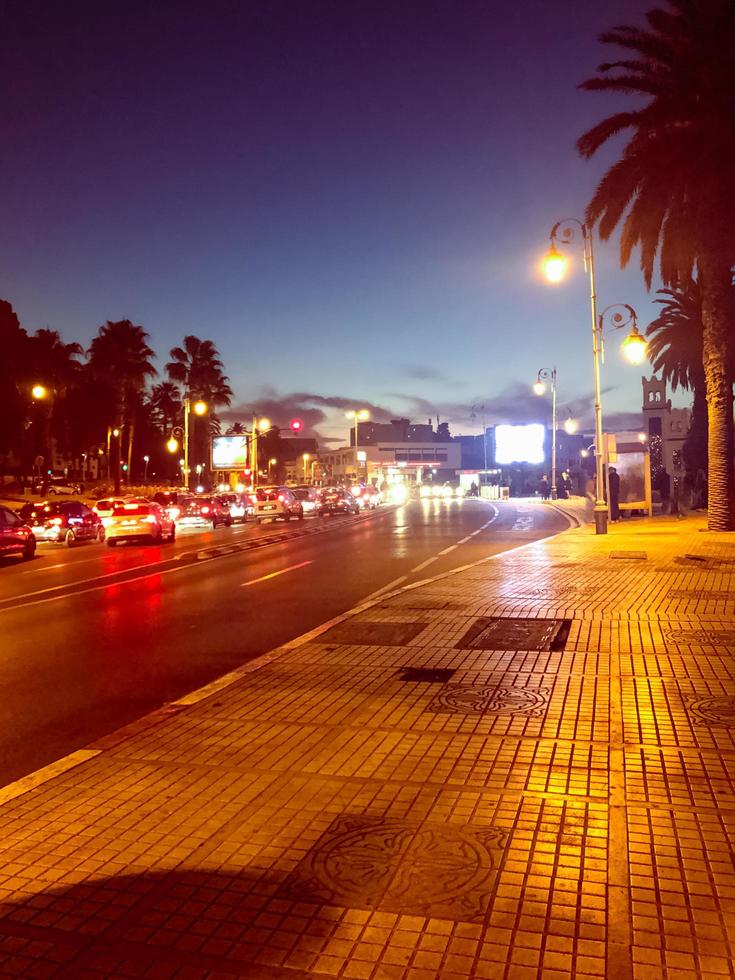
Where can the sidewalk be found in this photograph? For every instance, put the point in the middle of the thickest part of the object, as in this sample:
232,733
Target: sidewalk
423,790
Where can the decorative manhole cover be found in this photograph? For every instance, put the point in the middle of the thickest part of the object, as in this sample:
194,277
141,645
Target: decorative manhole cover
373,634
542,593
701,637
427,675
717,710
630,555
467,699
433,870
499,633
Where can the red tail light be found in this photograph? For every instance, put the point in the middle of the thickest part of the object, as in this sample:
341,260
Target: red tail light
281,497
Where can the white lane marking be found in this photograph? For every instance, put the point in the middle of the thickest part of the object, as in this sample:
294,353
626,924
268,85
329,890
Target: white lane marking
264,578
452,547
425,563
83,581
41,776
386,588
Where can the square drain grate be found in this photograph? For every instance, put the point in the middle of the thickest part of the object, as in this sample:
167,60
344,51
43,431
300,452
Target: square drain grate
373,634
498,633
427,675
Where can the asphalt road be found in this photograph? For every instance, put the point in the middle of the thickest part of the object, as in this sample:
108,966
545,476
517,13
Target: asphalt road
92,638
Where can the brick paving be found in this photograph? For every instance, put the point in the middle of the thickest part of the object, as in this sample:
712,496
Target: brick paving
528,800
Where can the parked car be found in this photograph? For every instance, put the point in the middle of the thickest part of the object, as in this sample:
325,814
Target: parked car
337,500
16,537
66,522
60,485
309,497
140,520
273,502
202,511
239,505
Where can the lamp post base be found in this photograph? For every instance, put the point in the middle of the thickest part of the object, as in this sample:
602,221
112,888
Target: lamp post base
601,520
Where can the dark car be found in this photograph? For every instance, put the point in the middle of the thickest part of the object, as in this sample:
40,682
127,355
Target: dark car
201,511
173,501
63,522
337,500
58,485
239,505
16,537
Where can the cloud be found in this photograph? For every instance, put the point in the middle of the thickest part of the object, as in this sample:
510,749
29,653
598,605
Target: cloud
424,372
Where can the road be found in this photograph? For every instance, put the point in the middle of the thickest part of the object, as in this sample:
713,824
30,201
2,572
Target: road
95,637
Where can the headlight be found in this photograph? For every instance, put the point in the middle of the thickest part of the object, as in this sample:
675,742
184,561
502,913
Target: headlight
398,493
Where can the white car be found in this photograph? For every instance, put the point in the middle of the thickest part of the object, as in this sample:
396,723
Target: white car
309,498
140,521
273,502
238,504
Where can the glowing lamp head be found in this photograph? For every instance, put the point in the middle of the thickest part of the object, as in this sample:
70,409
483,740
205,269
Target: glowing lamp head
146,459
116,433
554,265
571,426
172,445
200,408
641,437
539,387
264,425
39,392
584,453
635,347
306,457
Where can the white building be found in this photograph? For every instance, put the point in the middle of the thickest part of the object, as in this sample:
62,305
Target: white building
665,427
390,461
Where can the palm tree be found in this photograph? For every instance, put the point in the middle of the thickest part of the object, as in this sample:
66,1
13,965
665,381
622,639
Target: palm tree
55,365
672,186
165,405
675,349
120,359
197,367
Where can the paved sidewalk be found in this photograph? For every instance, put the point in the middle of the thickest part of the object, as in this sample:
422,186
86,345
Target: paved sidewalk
425,790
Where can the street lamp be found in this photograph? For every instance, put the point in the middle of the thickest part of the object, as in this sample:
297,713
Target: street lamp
146,460
199,408
306,457
172,445
539,387
260,427
359,415
571,426
39,392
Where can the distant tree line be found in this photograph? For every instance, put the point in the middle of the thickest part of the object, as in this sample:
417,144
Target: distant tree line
87,396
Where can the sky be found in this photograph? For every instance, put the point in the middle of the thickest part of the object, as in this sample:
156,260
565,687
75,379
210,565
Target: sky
349,198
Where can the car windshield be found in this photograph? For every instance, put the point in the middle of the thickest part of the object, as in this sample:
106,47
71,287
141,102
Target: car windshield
267,493
303,494
128,510
40,511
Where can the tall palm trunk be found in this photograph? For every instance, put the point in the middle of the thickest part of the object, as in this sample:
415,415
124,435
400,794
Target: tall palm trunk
131,436
716,279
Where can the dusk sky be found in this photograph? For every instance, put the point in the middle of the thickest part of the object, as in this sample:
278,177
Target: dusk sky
350,199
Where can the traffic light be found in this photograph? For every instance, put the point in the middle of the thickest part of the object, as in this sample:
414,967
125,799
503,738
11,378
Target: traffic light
297,425
247,471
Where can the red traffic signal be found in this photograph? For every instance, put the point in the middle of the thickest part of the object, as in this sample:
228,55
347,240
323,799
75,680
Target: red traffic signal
297,425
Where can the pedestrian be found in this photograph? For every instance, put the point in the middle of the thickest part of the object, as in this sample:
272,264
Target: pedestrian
473,489
614,483
544,487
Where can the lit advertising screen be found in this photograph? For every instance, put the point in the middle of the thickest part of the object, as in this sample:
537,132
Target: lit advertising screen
230,452
519,443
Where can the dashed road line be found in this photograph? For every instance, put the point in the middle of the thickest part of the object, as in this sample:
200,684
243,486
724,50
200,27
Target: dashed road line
283,571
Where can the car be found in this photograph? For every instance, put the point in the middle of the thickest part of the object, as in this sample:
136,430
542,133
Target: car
60,485
67,522
134,520
173,501
337,500
202,511
309,498
367,497
16,537
273,502
239,505
104,508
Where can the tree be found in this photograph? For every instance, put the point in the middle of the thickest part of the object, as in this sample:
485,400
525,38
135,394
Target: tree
197,368
13,398
165,405
671,188
675,349
120,359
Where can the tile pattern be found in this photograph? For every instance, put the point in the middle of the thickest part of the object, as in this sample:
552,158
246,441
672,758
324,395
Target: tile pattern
528,813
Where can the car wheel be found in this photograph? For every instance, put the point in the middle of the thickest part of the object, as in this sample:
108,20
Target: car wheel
172,535
300,515
157,538
29,549
228,522
70,540
112,542
287,518
100,534
51,492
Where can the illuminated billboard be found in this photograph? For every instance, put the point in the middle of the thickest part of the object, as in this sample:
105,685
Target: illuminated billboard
520,443
230,453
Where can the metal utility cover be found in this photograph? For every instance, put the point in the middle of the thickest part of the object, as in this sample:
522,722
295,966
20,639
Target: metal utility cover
498,633
373,634
427,675
630,555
